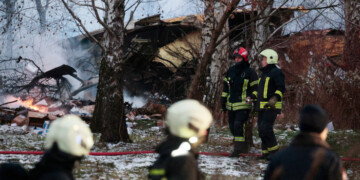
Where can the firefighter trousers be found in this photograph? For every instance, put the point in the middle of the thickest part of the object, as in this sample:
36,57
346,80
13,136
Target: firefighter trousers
266,121
237,120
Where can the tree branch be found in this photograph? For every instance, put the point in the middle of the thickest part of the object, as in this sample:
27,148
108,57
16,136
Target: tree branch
86,5
196,87
132,14
100,21
82,26
47,5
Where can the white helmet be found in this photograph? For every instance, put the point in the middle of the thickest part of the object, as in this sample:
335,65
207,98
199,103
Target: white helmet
271,56
71,134
188,118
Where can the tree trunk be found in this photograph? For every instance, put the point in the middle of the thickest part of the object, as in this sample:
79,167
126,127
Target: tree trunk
109,117
260,34
352,34
42,14
208,25
207,29
218,66
261,31
198,84
10,13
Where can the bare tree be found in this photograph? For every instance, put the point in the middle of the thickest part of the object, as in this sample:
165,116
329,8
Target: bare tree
198,84
261,30
9,16
42,13
219,62
352,34
109,107
108,116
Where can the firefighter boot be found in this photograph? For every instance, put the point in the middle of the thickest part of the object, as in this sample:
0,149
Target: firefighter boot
245,148
239,147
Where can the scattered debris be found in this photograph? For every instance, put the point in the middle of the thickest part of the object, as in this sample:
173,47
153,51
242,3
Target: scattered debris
20,120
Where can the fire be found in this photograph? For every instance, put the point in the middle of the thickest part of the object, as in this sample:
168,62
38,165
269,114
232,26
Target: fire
29,104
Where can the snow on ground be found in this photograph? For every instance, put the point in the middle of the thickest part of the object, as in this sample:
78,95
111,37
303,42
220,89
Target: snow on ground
145,137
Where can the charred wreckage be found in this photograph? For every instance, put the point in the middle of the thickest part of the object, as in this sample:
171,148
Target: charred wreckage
160,59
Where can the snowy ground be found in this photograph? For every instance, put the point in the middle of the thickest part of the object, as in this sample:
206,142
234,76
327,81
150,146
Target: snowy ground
146,137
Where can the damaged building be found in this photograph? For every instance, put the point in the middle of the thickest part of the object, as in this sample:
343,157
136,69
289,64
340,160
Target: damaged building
161,55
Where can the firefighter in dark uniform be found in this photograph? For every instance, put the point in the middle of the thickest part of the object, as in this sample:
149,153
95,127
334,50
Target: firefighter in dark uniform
308,156
68,141
187,122
240,83
269,100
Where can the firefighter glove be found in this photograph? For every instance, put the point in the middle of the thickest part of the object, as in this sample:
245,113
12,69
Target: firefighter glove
271,103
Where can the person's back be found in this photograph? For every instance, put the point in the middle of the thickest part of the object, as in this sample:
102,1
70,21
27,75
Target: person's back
54,165
308,156
181,166
68,141
12,171
187,122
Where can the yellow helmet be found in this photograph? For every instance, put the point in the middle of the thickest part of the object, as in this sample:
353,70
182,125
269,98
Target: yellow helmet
188,118
72,135
271,56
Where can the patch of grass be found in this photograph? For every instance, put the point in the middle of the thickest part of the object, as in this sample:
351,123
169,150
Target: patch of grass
284,137
345,142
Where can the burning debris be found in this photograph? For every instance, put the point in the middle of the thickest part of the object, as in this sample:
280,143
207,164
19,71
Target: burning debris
36,115
36,107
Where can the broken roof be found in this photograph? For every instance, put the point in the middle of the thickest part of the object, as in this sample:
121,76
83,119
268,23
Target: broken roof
183,20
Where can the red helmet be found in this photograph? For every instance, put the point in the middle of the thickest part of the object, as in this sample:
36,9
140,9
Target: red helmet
241,52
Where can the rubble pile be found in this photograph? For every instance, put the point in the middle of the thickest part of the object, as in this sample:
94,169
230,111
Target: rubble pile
36,116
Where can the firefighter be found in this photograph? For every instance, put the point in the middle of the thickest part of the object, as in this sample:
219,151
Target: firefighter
240,83
269,100
68,141
308,156
12,171
187,122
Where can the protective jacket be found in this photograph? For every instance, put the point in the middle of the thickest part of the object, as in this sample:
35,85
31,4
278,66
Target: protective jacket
239,83
174,162
271,83
307,157
55,164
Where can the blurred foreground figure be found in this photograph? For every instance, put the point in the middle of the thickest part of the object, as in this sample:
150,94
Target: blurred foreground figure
187,122
68,141
12,171
308,156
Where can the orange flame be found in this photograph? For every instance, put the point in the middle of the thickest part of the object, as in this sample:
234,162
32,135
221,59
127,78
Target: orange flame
29,104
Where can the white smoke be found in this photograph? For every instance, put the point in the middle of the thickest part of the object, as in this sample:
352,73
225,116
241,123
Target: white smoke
46,52
136,101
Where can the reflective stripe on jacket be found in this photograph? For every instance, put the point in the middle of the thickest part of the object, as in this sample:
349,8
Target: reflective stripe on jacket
240,82
271,83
